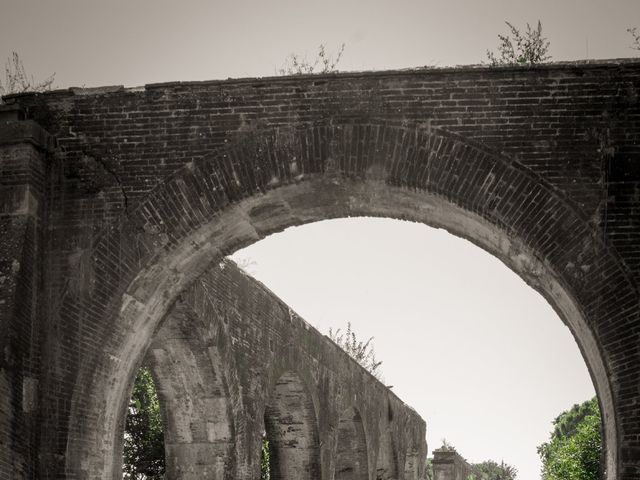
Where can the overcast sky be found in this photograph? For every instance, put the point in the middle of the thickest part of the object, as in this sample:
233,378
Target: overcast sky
133,42
482,357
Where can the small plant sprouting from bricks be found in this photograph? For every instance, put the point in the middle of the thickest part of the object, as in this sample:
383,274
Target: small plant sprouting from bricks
635,34
361,351
521,48
16,79
324,62
246,264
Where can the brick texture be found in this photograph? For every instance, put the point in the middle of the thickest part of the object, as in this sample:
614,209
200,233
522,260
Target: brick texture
148,187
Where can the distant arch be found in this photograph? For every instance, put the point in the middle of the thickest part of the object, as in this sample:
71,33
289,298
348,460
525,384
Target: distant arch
292,430
196,405
351,461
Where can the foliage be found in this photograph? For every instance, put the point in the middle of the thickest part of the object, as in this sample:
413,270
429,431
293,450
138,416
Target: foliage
446,446
528,48
428,469
246,264
361,352
143,437
322,63
490,470
16,79
265,459
575,447
635,34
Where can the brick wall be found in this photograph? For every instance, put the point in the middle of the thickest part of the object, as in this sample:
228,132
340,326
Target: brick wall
149,186
23,166
231,361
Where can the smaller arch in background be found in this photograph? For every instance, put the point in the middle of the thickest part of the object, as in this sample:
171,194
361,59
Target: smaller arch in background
199,431
292,430
352,462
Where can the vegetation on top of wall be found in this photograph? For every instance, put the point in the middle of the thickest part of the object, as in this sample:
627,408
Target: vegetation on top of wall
323,62
521,48
635,34
16,79
361,351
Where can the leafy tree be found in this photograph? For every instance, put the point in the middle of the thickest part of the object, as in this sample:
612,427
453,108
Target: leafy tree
322,63
265,460
143,437
528,48
575,447
635,34
16,79
362,352
428,469
490,470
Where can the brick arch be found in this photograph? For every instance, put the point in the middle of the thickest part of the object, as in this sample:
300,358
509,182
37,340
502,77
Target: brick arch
351,462
199,432
265,182
292,430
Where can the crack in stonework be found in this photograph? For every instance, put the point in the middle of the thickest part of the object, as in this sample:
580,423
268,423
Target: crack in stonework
118,182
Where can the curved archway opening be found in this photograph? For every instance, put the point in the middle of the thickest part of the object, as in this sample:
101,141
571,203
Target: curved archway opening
351,448
442,316
156,286
199,433
292,431
144,451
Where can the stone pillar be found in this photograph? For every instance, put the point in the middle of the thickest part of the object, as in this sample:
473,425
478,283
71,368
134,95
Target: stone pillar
23,152
449,465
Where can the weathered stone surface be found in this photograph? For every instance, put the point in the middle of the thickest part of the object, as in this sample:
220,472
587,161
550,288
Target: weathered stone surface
232,361
449,465
148,188
22,173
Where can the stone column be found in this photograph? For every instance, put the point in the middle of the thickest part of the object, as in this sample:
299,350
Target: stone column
449,465
24,146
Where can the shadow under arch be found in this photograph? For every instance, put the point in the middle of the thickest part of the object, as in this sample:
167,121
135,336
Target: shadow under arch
351,461
269,181
292,430
196,403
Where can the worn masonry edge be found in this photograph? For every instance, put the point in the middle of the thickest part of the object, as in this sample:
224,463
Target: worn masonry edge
225,262
574,67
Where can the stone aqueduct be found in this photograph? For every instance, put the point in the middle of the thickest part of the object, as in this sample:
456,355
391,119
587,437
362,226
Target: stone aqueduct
231,360
119,204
